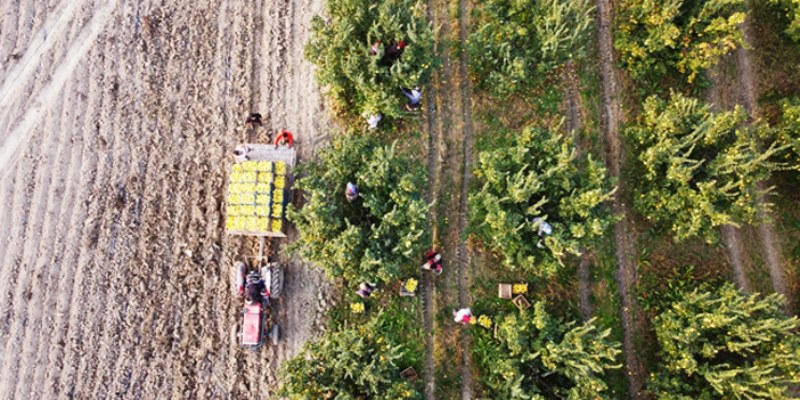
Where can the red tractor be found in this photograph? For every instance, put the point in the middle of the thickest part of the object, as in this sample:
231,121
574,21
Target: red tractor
258,191
258,283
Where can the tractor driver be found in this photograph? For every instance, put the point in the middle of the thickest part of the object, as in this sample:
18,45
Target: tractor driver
255,289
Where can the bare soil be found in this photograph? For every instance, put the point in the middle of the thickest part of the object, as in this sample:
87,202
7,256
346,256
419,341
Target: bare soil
117,121
450,165
766,228
623,231
574,126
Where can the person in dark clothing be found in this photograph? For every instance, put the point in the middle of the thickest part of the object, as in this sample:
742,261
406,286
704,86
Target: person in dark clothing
254,119
256,290
392,53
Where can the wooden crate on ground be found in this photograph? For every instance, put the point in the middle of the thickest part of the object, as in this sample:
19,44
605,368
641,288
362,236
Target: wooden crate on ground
504,290
521,302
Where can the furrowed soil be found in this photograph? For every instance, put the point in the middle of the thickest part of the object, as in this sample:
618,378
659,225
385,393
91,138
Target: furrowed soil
117,119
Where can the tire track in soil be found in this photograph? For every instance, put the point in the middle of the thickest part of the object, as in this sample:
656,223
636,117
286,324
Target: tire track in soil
55,146
105,276
88,159
64,225
729,234
21,204
574,112
85,281
465,264
30,63
114,370
66,192
434,166
627,278
766,227
25,303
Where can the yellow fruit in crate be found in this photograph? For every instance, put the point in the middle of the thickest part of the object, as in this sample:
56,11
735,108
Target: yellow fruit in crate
262,199
229,224
277,225
264,177
263,224
279,183
262,211
249,176
250,165
236,177
237,167
263,188
280,168
264,166
277,210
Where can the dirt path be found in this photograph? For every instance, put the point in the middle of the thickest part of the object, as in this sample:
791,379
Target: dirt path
450,164
435,158
574,125
623,230
766,227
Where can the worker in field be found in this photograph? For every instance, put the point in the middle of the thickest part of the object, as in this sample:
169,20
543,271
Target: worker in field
392,53
433,262
351,192
256,290
376,47
242,153
365,290
373,120
463,316
254,119
414,98
544,229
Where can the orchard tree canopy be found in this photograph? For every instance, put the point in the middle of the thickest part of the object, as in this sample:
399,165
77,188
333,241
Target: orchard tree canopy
655,37
536,356
352,363
375,235
725,345
701,168
516,40
340,48
535,178
792,10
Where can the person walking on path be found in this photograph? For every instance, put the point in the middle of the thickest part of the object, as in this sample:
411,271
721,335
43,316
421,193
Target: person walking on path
433,262
254,119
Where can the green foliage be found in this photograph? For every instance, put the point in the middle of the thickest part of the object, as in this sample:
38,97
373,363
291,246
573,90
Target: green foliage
352,363
701,168
787,133
340,45
723,345
517,40
538,175
375,235
536,356
792,10
659,37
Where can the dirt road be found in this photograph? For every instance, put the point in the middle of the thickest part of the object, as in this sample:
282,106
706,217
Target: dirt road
117,119
623,230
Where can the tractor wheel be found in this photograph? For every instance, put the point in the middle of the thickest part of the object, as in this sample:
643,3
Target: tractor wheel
274,335
276,286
